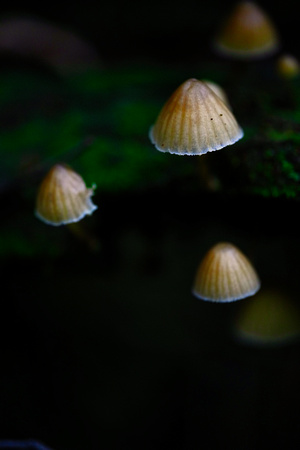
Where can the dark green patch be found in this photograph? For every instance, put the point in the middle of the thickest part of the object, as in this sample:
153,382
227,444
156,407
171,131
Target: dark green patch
98,123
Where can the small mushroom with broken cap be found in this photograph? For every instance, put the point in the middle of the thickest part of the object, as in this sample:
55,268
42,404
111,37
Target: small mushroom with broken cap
248,33
225,274
194,121
63,197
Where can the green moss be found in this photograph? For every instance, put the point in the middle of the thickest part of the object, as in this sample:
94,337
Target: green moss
45,119
273,171
114,109
98,122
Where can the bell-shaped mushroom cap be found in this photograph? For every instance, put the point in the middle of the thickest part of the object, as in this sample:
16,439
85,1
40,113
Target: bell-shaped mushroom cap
270,318
219,91
194,121
63,197
247,33
288,66
225,274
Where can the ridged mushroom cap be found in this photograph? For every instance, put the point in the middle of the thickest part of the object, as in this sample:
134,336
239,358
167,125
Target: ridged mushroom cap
63,197
225,274
219,91
194,121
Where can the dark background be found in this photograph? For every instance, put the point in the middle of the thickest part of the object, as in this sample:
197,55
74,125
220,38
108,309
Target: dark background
160,30
109,349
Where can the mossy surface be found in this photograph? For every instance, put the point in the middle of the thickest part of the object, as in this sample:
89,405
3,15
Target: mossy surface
98,122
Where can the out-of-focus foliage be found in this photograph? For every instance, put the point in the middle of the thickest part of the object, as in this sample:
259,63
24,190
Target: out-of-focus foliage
48,120
98,122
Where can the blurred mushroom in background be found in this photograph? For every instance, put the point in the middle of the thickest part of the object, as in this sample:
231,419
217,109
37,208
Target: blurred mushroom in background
271,318
288,66
34,38
248,33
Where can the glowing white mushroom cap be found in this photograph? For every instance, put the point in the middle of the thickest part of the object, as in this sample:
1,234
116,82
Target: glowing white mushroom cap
194,121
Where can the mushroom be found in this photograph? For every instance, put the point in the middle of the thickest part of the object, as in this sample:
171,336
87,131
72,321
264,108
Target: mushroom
247,33
56,46
219,91
270,318
63,197
225,274
194,121
288,66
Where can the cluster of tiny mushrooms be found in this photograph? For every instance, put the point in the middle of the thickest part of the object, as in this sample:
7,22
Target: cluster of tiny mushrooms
195,120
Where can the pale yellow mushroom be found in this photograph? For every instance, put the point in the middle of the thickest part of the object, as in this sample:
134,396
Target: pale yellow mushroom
194,121
63,197
271,318
225,274
247,33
